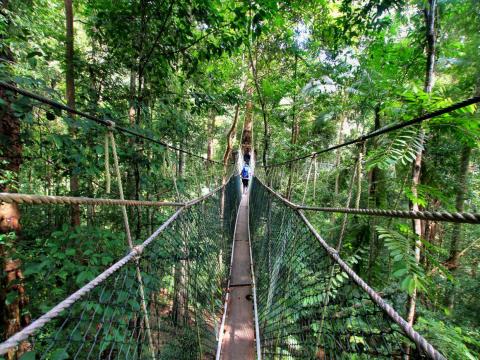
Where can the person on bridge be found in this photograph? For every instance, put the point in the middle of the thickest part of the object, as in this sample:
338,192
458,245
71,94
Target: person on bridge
246,158
245,174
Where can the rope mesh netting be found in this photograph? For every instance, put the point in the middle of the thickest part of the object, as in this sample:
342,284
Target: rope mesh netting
180,275
308,307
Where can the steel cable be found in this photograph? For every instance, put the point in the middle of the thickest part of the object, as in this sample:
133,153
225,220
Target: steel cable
384,130
97,120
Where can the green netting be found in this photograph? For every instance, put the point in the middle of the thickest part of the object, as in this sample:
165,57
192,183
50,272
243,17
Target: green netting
183,272
308,308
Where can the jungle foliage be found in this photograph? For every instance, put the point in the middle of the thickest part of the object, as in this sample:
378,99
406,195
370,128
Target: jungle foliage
317,72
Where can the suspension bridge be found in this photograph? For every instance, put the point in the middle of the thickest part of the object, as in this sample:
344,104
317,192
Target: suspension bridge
234,276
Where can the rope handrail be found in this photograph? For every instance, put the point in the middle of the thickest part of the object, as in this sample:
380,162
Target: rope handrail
374,296
107,123
32,199
133,254
456,217
384,130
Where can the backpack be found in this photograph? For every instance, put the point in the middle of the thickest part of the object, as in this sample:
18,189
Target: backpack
244,173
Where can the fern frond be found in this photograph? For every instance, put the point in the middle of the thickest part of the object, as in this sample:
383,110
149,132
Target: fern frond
406,269
401,147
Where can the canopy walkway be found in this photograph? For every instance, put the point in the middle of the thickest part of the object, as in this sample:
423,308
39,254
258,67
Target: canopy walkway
311,304
237,338
233,277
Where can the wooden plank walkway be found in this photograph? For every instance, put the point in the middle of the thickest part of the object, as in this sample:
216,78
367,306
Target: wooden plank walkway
239,334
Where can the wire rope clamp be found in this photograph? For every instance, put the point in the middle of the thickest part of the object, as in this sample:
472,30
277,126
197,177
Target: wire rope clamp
138,250
110,124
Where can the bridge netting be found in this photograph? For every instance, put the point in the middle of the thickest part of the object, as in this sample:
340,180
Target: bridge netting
311,305
163,300
170,311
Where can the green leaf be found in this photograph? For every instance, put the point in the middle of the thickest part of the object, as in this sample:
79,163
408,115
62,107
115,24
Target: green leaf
413,284
134,304
33,54
60,354
11,297
70,252
400,272
106,260
58,141
83,277
122,296
31,355
405,285
32,269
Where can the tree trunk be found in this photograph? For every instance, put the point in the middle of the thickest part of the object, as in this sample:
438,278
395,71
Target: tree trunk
180,301
374,174
361,153
266,135
430,12
312,160
375,193
266,140
181,162
247,133
132,106
230,138
178,306
137,176
138,143
130,188
459,205
226,156
314,178
293,141
419,225
338,157
452,262
70,93
232,131
139,99
210,136
13,316
12,278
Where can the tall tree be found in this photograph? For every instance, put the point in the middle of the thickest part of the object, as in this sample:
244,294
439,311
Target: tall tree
14,315
230,139
210,134
247,133
13,299
295,132
70,94
430,12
